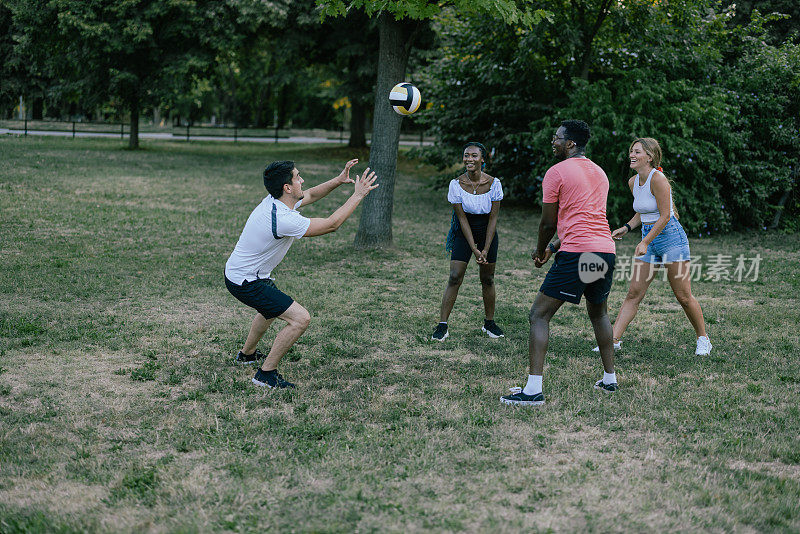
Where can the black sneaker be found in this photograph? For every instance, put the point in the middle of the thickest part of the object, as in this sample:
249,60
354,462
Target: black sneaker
521,399
441,333
611,388
247,359
271,379
491,328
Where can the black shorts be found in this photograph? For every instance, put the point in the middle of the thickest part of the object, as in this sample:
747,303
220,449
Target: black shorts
478,224
575,274
262,295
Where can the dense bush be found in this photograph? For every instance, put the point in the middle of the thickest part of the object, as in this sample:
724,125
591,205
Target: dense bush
722,103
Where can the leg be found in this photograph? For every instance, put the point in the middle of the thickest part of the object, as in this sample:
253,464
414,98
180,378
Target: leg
297,319
598,314
487,288
257,331
680,280
457,270
543,309
643,274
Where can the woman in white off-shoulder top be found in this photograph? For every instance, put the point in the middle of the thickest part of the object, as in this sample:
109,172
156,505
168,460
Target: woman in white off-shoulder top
475,197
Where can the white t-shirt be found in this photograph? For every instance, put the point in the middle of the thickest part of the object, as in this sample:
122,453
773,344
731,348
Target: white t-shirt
476,204
269,232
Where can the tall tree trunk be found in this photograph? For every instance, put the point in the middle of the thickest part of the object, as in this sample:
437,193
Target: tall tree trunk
375,226
588,37
776,220
37,108
358,119
283,105
133,142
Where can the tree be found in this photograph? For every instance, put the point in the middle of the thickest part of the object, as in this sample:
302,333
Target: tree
8,69
493,79
779,29
135,52
722,102
345,49
398,24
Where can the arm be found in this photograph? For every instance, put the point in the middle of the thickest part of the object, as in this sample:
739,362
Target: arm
556,244
661,190
635,221
364,184
490,229
547,229
319,191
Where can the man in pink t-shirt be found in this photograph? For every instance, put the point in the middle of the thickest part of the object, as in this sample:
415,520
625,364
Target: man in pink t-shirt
573,203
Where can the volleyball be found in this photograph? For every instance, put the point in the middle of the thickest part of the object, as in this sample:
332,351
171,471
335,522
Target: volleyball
405,98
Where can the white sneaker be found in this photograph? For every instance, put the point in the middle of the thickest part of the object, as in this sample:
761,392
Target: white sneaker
703,346
617,346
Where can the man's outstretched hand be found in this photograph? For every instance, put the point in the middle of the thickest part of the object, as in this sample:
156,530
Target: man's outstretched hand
365,183
344,176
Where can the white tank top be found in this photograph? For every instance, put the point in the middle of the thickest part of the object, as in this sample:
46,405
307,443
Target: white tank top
644,202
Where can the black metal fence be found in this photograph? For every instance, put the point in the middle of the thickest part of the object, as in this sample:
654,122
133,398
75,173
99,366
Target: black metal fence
23,126
183,132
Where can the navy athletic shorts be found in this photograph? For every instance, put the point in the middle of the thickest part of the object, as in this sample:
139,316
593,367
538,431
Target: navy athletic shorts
576,274
261,294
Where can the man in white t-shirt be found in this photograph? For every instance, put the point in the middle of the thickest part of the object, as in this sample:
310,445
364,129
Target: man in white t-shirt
269,232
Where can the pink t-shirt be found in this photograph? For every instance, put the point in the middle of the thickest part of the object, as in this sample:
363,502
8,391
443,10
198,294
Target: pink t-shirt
581,189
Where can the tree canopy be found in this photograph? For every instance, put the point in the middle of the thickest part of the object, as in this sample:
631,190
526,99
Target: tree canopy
715,81
399,24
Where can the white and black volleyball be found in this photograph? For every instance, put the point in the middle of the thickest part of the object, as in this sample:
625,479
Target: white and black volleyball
405,98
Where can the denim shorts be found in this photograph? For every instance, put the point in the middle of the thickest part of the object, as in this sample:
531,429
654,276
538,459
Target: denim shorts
669,246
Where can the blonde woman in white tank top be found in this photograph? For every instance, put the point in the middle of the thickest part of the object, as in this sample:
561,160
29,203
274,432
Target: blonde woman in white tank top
663,243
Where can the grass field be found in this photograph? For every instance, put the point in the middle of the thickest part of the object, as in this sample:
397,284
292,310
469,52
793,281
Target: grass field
121,410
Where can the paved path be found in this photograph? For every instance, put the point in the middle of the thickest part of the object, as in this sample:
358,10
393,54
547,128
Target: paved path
172,137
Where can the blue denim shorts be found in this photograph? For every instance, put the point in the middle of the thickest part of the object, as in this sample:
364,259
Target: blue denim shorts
669,246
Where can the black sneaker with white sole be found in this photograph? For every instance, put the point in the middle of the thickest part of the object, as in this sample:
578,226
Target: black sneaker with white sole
441,333
271,379
247,359
611,388
521,399
491,328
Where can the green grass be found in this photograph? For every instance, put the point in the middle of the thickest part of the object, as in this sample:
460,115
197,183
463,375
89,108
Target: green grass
121,410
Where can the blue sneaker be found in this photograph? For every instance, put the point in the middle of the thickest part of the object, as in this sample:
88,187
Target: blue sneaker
247,359
518,398
611,388
271,379
441,333
492,330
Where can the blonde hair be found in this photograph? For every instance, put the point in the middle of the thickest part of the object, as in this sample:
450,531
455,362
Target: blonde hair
653,149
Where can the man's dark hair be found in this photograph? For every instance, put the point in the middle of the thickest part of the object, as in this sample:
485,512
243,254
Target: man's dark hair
276,175
577,132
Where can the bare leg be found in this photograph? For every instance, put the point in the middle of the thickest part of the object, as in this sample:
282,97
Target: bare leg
643,274
542,311
487,288
297,319
457,270
257,331
678,274
598,314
